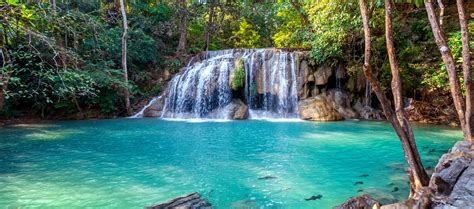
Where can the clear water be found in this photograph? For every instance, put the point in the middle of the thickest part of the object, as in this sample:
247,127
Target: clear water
132,163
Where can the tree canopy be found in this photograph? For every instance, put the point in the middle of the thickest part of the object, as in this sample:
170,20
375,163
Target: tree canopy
62,57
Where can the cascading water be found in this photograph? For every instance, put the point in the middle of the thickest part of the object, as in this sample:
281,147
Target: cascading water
368,92
203,90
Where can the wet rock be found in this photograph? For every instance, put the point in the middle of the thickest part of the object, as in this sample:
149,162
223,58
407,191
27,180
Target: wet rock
155,109
193,200
368,113
322,74
317,109
452,182
360,202
314,197
302,81
267,177
236,110
341,103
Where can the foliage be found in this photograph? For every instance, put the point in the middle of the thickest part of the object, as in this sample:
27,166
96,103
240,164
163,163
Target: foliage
438,76
246,36
238,76
68,59
334,25
291,33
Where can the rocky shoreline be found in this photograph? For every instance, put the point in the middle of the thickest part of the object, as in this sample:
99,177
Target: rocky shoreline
451,185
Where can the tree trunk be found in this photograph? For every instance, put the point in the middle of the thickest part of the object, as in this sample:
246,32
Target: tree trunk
417,175
183,28
208,27
450,66
124,57
442,7
466,68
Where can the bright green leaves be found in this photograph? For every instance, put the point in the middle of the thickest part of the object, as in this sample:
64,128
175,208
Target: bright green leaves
334,24
238,76
246,36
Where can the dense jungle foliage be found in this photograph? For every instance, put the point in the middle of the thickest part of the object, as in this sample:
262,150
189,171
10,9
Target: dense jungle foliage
64,57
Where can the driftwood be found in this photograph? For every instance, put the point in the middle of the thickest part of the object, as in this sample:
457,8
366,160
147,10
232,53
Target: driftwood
190,201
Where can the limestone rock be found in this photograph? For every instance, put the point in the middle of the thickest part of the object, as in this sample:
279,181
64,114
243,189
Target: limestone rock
155,109
237,110
317,109
322,75
341,103
360,202
452,182
368,113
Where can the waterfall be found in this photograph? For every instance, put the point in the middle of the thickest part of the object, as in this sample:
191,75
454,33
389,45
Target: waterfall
140,113
339,74
203,89
368,92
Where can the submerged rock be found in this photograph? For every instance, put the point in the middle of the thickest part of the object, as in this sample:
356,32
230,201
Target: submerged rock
317,109
193,200
267,177
314,197
360,202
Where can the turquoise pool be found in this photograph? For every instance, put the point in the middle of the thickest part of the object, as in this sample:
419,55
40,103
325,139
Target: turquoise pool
132,163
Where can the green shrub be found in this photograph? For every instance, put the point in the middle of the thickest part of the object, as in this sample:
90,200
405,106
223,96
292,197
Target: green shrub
238,76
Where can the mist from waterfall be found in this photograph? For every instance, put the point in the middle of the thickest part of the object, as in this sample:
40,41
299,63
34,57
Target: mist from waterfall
203,89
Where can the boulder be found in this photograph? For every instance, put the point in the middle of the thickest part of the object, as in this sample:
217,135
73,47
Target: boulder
360,202
317,109
367,112
321,76
341,103
193,200
154,110
236,110
452,182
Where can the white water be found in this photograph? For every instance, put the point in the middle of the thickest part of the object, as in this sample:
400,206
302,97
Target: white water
203,90
140,113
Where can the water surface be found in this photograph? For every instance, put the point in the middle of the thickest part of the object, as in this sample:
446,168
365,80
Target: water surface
132,163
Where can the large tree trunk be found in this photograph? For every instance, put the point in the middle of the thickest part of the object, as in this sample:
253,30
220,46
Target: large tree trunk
124,57
183,28
450,66
466,68
209,27
418,177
